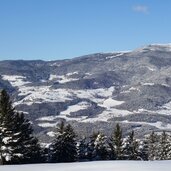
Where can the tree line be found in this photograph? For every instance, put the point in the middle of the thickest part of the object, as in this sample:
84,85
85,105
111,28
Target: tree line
18,144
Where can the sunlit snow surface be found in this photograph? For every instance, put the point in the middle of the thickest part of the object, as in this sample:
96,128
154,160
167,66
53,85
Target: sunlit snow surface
157,124
62,78
15,80
94,166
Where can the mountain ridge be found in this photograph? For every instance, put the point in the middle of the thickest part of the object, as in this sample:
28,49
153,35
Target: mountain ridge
94,92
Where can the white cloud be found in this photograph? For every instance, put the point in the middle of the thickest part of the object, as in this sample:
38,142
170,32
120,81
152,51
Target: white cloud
141,9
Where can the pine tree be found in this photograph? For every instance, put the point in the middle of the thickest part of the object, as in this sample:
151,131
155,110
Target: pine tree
168,147
152,146
116,144
64,147
131,147
164,147
45,154
8,137
82,150
18,145
100,148
91,146
143,150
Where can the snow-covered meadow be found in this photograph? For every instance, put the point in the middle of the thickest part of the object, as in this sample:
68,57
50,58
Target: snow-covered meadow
94,166
103,97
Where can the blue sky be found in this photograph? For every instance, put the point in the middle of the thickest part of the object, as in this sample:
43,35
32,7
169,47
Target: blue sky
59,29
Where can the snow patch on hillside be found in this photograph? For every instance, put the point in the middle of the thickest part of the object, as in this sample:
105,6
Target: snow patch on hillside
108,114
72,73
55,64
62,78
52,77
165,109
95,95
47,125
75,108
154,47
144,111
114,56
43,94
51,134
148,84
150,68
159,125
108,103
15,80
40,94
110,111
133,89
47,118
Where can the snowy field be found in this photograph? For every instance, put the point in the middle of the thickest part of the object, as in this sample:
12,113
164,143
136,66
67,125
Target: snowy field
95,166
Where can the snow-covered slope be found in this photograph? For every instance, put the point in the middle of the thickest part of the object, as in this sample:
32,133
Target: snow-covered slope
94,166
98,90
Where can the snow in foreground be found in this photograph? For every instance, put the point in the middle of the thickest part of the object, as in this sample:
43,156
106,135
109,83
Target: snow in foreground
95,166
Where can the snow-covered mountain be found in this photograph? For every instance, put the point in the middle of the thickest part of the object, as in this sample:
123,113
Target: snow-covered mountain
94,91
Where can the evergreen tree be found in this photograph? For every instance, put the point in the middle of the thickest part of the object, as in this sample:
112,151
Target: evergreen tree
164,150
91,146
82,150
143,150
131,147
18,145
64,147
152,146
6,127
9,137
1,154
100,147
45,153
28,144
116,144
